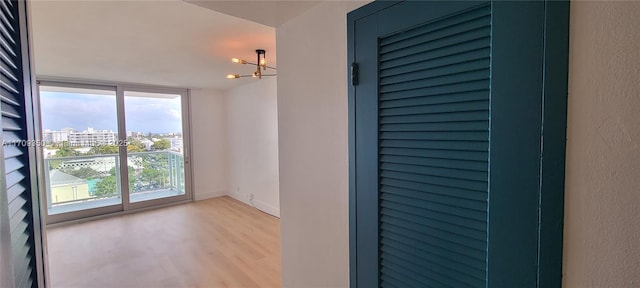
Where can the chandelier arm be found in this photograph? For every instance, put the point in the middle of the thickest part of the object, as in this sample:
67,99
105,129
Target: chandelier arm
260,65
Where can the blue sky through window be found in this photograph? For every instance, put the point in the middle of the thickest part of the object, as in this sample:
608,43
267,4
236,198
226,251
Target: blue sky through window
80,111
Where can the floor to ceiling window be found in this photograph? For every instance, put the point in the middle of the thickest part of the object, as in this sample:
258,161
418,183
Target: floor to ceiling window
112,148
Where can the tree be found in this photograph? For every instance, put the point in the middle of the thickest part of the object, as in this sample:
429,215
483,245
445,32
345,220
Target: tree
66,151
154,170
161,144
107,187
103,149
135,145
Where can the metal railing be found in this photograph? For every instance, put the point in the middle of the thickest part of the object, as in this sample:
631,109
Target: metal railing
85,178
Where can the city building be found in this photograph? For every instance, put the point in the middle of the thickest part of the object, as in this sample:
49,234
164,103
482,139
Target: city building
176,143
66,187
92,137
51,136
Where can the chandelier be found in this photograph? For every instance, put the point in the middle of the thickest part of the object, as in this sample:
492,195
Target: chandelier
261,66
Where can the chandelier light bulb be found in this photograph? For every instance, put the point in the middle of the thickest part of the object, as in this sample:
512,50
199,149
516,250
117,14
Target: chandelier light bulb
261,65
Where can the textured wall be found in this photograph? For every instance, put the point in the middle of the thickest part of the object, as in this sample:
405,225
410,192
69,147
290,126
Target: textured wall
602,198
312,124
252,125
209,144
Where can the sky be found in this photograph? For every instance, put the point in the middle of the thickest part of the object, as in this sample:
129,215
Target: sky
80,111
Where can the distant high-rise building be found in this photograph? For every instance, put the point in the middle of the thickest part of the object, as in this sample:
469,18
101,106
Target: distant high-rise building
51,136
92,137
176,143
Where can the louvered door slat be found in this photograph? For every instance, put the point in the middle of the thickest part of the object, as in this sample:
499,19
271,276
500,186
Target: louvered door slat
11,151
437,71
4,18
14,206
440,154
407,239
422,214
14,178
461,27
10,124
6,71
433,152
444,272
434,127
465,175
8,45
8,97
450,260
22,259
9,110
438,80
479,85
18,217
8,83
478,105
13,164
444,201
463,57
439,268
14,191
435,162
416,280
434,230
10,136
7,8
434,180
446,51
420,99
448,209
461,195
436,135
15,167
441,24
437,44
8,59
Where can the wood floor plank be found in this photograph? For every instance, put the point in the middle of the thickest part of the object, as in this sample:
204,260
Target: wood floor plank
213,243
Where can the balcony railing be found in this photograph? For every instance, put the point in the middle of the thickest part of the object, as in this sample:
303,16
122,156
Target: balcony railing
83,182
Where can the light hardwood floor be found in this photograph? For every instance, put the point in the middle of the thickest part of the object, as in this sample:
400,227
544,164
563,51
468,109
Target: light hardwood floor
218,242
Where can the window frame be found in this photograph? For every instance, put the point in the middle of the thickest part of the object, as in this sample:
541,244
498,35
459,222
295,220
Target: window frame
125,207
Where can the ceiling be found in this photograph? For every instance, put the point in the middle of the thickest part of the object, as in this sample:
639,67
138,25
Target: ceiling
270,13
169,43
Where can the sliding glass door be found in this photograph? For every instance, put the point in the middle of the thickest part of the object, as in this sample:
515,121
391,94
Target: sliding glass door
110,149
155,134
81,159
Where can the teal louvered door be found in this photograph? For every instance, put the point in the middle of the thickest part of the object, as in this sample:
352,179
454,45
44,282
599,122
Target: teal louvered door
434,152
19,218
446,118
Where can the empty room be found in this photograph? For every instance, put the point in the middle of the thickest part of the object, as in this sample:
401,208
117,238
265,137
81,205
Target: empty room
160,170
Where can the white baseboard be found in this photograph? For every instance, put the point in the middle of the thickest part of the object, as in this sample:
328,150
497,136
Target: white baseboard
264,207
209,194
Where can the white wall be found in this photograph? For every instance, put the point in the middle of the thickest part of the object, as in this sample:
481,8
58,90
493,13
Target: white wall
602,196
312,115
252,123
209,143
